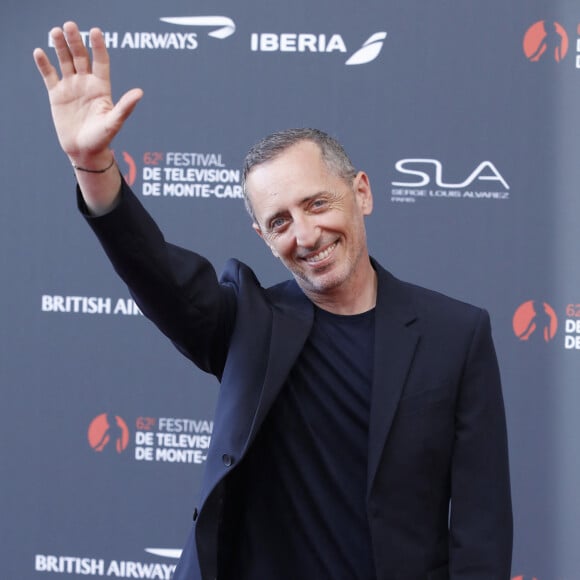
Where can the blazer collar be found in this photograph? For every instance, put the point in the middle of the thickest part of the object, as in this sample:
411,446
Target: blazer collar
396,339
292,318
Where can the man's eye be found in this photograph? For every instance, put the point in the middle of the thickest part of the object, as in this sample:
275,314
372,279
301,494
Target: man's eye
318,203
277,223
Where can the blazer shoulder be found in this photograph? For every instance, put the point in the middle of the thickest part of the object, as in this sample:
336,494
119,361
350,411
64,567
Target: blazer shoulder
429,306
243,278
432,300
240,276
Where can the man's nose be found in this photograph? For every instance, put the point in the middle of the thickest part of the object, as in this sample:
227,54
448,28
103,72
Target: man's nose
306,232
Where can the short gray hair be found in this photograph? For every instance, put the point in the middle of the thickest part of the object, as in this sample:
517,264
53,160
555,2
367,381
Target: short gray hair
268,148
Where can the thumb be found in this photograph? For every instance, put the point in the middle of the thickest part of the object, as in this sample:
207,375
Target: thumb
125,106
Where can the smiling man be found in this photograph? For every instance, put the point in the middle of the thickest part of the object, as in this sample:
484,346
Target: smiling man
311,215
359,432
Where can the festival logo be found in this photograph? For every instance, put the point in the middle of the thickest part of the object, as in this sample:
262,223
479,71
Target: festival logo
108,432
186,175
524,578
535,321
154,440
545,40
128,168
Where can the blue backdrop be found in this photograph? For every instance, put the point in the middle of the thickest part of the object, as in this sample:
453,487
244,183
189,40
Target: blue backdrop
465,117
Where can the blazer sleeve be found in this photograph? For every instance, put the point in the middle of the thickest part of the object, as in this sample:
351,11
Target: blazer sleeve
481,514
176,288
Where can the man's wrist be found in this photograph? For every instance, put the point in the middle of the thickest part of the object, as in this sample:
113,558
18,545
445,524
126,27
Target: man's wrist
93,163
88,170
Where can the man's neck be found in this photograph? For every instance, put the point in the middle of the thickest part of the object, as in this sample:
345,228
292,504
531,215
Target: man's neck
360,295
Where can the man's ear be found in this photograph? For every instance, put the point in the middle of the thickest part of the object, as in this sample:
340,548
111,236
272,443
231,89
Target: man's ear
362,189
258,230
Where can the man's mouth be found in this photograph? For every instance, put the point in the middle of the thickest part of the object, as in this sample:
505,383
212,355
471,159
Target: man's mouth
314,258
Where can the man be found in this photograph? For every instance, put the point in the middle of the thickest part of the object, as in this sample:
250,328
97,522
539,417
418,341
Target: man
359,431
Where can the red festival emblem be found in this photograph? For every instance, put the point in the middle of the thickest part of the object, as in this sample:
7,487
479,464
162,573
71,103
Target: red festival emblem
535,319
545,39
131,168
108,430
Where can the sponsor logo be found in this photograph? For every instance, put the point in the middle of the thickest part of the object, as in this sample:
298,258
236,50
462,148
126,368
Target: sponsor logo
219,27
165,552
425,178
155,439
524,578
62,304
536,321
91,566
190,30
321,43
108,431
370,49
185,175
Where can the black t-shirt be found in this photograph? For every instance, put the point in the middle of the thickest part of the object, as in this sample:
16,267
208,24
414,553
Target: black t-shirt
303,510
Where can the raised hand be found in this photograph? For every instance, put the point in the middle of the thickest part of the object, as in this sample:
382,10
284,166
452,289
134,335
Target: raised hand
85,117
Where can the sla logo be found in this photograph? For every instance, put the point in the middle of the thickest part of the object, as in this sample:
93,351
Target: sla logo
424,180
409,167
108,431
535,321
320,43
545,40
130,167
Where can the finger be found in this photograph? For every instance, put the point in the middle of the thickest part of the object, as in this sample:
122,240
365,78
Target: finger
100,54
77,48
63,54
45,68
125,106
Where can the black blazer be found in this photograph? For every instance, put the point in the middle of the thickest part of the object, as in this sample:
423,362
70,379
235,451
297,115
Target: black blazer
438,494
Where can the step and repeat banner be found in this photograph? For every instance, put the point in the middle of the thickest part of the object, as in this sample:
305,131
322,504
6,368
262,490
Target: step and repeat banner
465,115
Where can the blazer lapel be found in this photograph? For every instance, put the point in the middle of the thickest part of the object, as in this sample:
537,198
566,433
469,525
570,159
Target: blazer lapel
396,339
291,323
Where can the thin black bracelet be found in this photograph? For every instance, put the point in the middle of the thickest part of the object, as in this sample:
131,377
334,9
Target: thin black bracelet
77,168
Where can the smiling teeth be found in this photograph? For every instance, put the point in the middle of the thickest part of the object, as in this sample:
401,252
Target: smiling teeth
321,255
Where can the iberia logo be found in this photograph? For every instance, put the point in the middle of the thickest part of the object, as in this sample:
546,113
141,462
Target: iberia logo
545,40
108,431
535,320
128,168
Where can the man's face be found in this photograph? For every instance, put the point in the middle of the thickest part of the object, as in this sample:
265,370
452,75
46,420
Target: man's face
312,219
